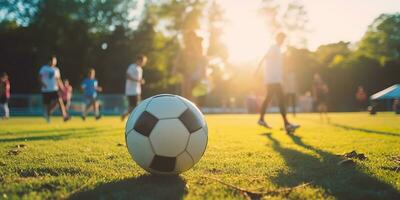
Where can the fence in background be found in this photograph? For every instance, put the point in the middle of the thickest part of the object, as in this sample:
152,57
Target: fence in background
115,104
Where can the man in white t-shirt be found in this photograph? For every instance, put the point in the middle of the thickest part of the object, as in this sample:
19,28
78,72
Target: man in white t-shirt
273,74
50,80
134,82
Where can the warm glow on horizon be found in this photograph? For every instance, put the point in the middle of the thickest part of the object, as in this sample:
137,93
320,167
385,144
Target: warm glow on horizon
247,37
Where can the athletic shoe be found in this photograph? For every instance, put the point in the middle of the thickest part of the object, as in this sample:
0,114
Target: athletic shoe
263,124
67,118
98,117
291,128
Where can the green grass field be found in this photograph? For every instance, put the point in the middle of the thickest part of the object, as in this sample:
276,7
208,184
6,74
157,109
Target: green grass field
80,160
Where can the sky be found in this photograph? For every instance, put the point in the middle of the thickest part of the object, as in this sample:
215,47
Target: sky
330,21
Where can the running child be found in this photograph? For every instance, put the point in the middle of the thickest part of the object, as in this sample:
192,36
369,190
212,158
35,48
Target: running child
90,89
66,94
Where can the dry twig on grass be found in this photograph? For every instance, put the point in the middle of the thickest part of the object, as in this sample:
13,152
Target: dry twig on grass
249,194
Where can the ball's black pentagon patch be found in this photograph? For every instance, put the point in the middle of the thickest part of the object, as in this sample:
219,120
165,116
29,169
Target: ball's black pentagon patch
190,120
145,124
163,163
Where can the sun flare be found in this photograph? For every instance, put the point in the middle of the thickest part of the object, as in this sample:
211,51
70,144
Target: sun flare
245,33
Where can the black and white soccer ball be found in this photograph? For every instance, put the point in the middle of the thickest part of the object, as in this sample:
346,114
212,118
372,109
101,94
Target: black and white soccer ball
166,134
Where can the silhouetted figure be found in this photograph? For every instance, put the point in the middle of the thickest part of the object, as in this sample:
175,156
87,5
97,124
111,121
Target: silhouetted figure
361,98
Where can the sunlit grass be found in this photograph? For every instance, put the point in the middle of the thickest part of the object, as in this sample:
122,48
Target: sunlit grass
89,160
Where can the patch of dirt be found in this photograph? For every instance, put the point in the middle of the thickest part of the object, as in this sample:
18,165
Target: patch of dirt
355,155
350,157
214,171
17,149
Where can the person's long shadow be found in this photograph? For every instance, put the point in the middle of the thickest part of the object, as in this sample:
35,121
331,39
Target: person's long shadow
342,182
57,135
143,187
346,127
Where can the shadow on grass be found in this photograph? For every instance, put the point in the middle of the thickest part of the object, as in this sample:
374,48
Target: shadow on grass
340,181
364,130
65,134
143,187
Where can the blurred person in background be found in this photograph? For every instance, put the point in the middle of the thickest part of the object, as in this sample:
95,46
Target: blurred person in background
50,81
90,91
396,106
320,94
273,76
5,95
361,98
134,82
66,94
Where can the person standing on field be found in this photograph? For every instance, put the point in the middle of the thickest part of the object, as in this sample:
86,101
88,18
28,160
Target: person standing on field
50,81
320,93
5,94
273,71
134,82
361,98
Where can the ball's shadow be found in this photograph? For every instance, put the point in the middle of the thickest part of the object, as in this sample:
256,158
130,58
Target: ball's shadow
143,187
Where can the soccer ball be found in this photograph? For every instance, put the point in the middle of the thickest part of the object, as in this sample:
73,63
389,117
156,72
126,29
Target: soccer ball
166,134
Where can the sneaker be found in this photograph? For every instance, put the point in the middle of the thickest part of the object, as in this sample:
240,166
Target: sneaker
263,124
98,117
291,128
67,118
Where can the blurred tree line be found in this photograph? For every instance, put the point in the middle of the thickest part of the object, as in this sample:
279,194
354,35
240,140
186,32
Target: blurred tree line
107,35
373,62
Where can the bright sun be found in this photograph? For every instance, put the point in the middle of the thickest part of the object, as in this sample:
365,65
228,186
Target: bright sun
246,35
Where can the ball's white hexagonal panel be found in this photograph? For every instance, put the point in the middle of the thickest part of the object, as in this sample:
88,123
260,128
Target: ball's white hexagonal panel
169,137
183,162
194,108
166,106
197,144
140,149
136,114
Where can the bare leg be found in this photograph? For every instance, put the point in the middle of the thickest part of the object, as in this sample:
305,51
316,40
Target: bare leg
86,109
265,103
96,108
62,108
6,111
282,104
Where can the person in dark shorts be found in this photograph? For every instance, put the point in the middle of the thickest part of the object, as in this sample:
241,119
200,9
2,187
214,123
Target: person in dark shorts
320,93
90,89
273,74
134,82
50,80
5,95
